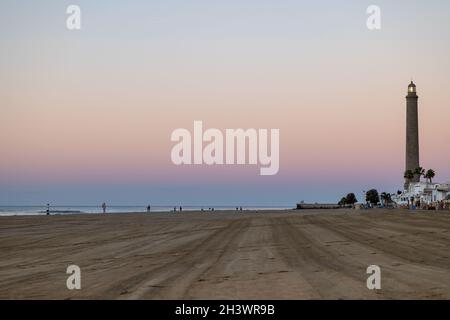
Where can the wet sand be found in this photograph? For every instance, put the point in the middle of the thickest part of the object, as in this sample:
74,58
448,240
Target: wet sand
228,255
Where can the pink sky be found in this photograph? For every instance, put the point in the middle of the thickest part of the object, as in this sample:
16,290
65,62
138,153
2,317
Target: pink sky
99,106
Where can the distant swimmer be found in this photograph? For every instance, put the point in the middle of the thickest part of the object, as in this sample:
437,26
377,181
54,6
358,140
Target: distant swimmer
104,207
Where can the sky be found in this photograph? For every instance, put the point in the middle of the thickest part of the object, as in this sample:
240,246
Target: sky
86,115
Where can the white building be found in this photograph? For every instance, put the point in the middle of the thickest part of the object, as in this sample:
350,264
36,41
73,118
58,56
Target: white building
423,193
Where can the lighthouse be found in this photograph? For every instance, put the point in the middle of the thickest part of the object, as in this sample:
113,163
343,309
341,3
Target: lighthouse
412,132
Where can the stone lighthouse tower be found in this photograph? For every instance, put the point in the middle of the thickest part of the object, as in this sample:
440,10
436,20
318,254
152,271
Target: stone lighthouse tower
412,131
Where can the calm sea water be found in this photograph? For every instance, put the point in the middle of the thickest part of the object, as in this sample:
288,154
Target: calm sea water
41,210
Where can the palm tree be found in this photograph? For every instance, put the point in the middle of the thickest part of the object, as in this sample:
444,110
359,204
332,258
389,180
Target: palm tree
429,175
419,171
386,197
408,175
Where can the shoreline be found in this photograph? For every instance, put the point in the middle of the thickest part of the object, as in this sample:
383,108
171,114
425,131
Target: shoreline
78,210
82,214
244,211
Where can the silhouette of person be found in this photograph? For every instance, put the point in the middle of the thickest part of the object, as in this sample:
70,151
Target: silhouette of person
181,208
104,207
48,209
148,208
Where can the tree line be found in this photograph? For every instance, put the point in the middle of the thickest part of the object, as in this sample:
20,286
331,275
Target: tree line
419,171
372,197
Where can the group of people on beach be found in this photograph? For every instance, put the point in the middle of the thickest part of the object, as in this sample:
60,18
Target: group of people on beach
180,209
104,207
438,205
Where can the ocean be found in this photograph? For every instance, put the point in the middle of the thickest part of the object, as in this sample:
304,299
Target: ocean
67,209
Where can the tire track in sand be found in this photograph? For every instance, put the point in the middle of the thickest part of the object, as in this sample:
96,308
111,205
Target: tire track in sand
329,276
173,280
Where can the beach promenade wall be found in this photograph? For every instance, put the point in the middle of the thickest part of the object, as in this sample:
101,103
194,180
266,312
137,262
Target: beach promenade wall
310,206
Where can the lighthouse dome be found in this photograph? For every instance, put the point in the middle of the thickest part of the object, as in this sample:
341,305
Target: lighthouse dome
412,87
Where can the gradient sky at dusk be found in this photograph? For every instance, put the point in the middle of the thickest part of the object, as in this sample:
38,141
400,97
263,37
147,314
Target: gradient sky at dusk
86,116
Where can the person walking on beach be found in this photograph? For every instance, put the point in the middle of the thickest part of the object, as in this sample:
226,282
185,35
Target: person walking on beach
148,208
104,207
181,208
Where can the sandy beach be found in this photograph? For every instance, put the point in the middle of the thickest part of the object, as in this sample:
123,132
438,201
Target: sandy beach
227,255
